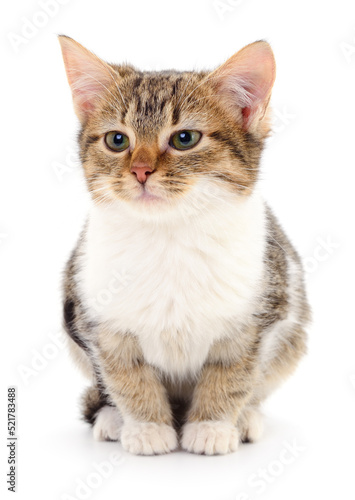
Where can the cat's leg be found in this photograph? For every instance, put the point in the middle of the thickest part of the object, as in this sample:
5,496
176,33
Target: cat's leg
250,424
96,407
108,424
224,388
81,358
101,414
280,354
136,389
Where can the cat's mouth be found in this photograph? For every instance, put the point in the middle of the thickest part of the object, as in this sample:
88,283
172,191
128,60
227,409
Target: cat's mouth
147,196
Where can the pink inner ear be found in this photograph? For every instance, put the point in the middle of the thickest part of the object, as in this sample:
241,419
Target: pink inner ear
246,112
89,83
246,80
88,76
85,104
86,92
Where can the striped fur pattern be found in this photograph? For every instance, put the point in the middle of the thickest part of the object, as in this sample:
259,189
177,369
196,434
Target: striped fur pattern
184,300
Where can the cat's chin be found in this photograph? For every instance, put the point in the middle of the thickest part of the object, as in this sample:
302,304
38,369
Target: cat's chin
147,198
147,204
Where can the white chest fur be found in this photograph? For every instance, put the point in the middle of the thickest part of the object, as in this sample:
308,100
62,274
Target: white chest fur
175,283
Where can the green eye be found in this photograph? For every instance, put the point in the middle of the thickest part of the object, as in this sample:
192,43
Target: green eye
186,139
116,141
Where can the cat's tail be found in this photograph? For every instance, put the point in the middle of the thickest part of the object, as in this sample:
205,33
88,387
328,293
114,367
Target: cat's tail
92,401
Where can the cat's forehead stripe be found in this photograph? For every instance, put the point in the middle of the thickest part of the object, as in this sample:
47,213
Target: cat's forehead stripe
149,93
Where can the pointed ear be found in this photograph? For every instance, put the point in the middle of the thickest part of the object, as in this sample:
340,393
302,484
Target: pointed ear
244,82
89,77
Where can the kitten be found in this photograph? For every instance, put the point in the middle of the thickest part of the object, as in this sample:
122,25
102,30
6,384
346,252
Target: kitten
183,294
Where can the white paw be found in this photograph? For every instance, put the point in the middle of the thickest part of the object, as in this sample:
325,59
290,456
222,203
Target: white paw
108,424
251,426
210,438
148,438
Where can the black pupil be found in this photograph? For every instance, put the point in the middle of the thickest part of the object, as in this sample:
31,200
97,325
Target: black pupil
118,139
185,137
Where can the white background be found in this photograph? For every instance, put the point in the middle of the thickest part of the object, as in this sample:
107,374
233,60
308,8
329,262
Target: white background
308,177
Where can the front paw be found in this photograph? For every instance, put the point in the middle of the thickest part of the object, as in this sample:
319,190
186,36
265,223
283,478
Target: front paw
210,437
148,438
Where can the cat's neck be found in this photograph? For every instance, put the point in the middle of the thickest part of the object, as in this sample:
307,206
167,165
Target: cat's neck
217,216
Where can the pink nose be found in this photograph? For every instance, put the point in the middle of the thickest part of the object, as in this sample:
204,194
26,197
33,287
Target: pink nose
142,171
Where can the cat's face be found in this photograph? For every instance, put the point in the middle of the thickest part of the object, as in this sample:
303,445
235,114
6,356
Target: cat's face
154,139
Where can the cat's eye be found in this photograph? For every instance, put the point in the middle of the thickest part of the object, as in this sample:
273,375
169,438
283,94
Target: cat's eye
116,141
185,139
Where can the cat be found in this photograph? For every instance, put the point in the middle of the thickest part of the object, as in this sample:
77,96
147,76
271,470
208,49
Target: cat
184,301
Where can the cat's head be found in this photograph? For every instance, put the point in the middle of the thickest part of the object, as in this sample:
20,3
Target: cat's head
153,140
